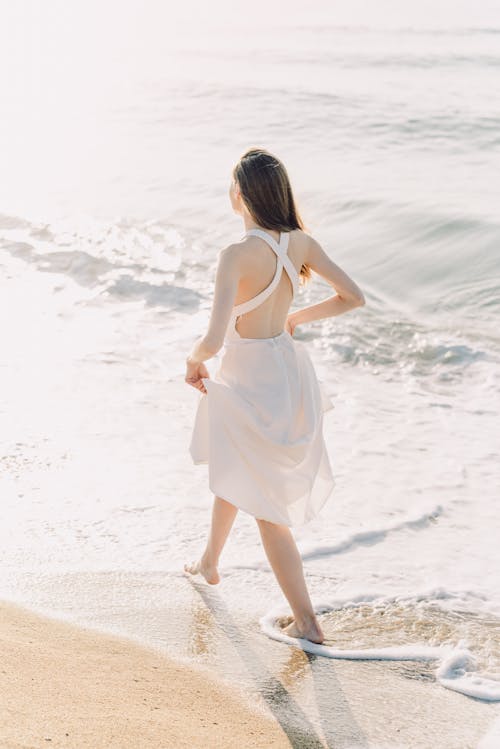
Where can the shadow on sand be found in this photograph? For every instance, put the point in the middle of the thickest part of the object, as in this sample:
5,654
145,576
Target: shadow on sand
338,724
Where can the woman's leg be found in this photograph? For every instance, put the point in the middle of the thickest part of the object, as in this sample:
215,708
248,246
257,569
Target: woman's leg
223,515
284,557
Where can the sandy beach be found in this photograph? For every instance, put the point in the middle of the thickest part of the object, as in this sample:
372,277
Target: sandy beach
70,686
64,686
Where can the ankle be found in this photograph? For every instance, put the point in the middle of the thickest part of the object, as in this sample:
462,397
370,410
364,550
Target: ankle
209,560
306,621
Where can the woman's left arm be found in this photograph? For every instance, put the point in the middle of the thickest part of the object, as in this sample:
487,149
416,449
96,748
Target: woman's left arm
227,276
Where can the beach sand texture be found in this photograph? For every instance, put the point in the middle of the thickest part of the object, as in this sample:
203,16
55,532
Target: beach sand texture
69,686
64,686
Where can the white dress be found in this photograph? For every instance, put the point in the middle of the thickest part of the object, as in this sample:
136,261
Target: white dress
259,426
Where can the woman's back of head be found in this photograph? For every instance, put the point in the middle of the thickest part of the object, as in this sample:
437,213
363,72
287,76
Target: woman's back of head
267,193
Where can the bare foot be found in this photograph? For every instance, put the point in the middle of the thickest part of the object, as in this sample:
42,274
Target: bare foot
311,631
208,571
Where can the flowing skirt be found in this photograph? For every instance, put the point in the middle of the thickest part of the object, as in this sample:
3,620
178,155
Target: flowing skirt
259,427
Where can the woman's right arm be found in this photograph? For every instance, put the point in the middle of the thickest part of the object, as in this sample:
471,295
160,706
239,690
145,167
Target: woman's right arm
348,295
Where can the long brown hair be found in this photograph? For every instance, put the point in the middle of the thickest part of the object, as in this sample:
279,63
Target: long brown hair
266,191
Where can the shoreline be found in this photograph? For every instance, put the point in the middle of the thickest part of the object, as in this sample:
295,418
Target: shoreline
70,686
89,687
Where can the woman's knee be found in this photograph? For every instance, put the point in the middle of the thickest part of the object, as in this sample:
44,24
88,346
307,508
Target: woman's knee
269,525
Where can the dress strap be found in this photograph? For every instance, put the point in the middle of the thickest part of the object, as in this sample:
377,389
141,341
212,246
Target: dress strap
280,249
282,261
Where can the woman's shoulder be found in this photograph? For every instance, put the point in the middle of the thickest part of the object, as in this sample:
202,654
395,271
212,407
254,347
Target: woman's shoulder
297,234
239,248
302,236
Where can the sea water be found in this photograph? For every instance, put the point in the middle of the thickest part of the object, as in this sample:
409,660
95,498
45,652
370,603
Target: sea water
119,128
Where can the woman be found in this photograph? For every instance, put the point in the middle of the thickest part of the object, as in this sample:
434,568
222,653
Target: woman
259,422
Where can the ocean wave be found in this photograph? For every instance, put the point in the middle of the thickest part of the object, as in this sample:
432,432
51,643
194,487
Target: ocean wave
420,259
371,536
125,261
399,348
411,275
460,643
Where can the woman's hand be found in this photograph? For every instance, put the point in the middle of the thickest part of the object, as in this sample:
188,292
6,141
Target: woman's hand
194,372
290,325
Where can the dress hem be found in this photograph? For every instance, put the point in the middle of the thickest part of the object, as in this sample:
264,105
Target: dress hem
238,507
281,522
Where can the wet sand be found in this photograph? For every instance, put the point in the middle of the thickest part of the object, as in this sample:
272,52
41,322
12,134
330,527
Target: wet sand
245,690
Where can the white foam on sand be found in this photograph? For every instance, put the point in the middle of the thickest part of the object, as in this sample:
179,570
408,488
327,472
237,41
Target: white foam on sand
456,670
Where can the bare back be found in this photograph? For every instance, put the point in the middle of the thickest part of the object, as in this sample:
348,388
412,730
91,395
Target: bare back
259,263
